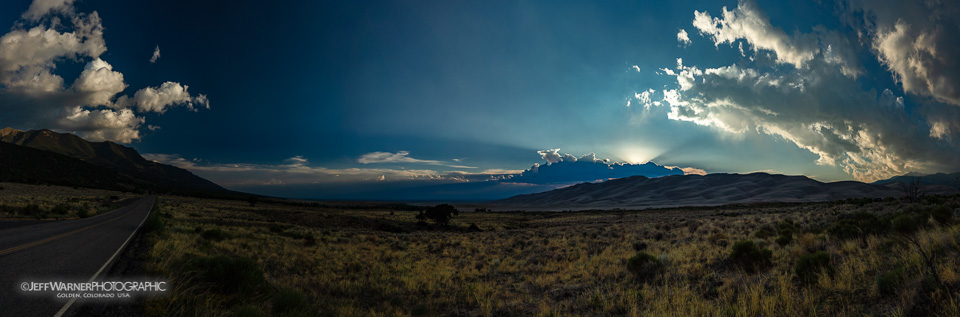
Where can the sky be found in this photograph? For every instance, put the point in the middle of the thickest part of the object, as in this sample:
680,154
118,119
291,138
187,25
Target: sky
462,99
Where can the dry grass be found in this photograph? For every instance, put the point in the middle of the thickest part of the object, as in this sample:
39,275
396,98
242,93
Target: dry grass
363,262
17,201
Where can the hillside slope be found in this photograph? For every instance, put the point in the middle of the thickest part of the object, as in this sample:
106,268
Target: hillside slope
111,156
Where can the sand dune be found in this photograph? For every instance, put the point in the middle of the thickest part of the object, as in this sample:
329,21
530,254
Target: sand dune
698,190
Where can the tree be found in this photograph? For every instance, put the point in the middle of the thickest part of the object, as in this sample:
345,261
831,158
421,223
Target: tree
440,214
914,189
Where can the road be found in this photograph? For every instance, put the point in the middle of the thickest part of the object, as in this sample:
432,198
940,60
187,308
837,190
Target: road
62,251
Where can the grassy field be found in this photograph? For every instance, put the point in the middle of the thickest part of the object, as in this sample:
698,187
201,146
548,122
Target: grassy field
23,201
227,258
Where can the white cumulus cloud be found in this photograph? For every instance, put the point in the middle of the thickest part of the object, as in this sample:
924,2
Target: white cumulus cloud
683,38
33,95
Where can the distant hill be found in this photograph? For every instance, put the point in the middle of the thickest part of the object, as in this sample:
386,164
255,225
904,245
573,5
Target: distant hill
698,190
22,164
110,156
951,180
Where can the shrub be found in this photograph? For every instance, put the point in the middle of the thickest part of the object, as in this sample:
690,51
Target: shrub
644,266
748,256
942,214
904,224
785,237
60,209
291,302
719,239
214,234
888,283
784,240
229,275
763,233
31,209
813,263
440,214
473,227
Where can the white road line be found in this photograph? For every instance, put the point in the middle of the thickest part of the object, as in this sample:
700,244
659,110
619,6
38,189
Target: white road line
67,306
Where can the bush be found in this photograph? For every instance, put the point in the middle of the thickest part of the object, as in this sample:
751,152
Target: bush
229,275
644,266
61,209
32,210
888,283
291,302
813,263
904,224
942,214
785,237
440,214
763,233
784,240
748,256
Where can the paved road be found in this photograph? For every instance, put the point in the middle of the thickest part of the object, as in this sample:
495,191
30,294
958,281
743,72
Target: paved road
63,251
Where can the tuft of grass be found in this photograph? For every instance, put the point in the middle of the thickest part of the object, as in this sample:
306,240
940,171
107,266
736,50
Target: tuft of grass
813,264
888,283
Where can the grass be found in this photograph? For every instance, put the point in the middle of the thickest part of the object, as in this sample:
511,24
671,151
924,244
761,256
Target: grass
361,262
227,258
23,201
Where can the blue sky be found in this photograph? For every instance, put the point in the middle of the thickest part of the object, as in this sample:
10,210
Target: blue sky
343,100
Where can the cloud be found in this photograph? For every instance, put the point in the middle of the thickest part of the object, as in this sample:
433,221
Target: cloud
566,168
683,38
645,98
98,83
40,8
158,99
156,55
297,170
551,156
400,157
750,24
693,171
916,41
818,105
104,124
32,94
939,130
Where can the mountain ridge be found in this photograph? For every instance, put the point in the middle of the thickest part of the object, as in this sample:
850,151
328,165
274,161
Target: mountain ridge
110,156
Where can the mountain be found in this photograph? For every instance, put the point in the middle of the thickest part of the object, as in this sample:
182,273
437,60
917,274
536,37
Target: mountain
698,190
22,164
951,180
123,160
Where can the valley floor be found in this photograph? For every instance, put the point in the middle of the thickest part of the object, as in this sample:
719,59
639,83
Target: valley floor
228,258
849,258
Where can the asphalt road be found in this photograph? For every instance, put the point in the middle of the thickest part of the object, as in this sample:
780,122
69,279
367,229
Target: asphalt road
62,251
